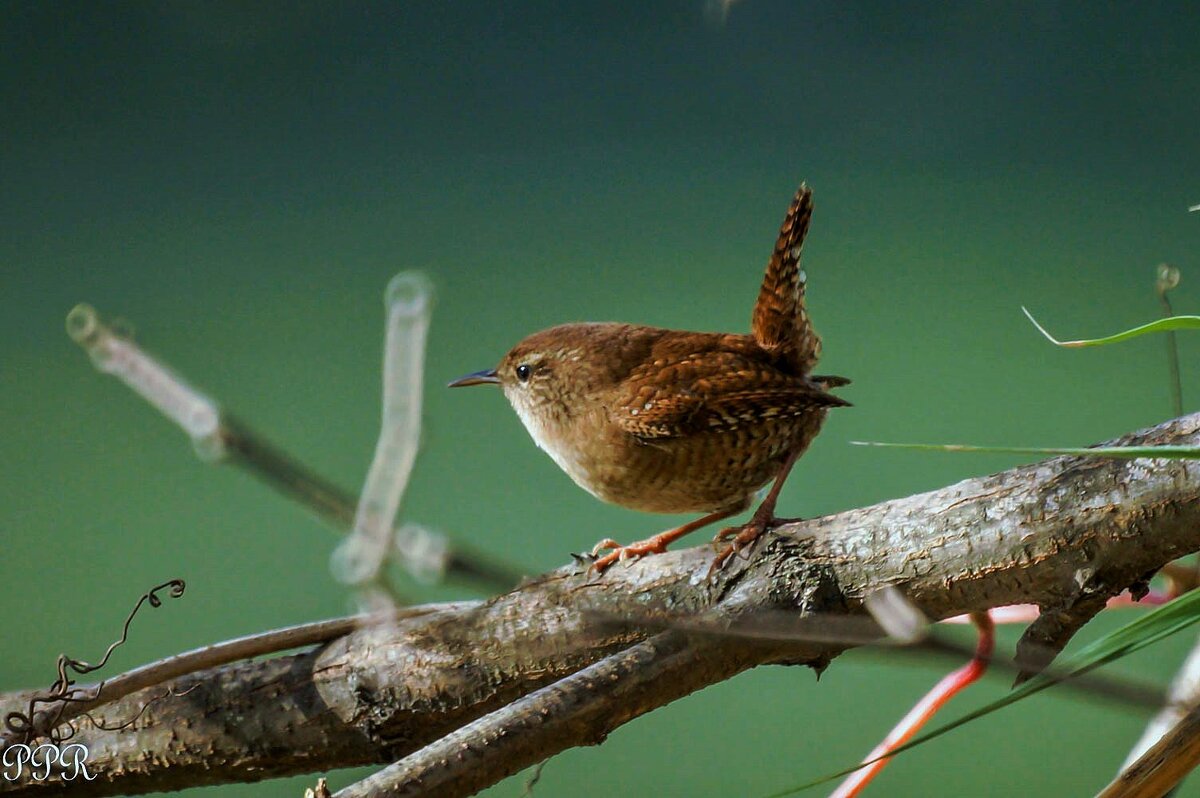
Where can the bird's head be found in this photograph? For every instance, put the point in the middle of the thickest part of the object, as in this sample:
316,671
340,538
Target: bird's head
553,373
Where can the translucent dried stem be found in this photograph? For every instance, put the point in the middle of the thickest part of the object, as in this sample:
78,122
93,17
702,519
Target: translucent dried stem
217,437
118,355
360,558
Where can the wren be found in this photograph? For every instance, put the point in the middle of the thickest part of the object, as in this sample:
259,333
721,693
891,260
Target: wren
667,421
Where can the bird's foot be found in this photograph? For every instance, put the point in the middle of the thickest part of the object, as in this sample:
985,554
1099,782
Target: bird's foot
742,537
619,553
654,545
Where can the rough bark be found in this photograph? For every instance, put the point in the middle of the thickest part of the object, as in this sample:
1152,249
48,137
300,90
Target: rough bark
1065,534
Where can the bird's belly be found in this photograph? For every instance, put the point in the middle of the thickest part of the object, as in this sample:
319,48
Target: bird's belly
702,472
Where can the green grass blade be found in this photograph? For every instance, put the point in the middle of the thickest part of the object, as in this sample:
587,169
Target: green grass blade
1119,452
1162,325
1156,625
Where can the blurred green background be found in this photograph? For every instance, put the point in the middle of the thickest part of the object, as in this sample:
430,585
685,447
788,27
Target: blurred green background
240,180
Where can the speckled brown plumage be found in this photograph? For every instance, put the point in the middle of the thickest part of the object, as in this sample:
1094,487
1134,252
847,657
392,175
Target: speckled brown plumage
671,421
780,323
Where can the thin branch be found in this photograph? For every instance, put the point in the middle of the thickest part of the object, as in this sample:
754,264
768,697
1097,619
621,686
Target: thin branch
260,644
1167,279
246,448
864,633
217,436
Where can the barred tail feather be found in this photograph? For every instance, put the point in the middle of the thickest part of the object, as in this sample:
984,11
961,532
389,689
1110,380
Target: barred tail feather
780,323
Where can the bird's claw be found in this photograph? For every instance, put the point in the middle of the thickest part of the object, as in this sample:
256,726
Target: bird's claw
743,538
623,554
607,543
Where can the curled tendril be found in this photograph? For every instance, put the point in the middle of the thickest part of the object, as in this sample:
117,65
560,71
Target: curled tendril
150,597
26,726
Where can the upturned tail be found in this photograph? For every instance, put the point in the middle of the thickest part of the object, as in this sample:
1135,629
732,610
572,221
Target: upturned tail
780,323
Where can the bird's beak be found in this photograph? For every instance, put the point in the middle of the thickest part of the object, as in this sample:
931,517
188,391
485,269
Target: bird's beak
478,378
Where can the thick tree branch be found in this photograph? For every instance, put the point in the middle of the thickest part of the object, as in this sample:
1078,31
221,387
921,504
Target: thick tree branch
581,708
1061,533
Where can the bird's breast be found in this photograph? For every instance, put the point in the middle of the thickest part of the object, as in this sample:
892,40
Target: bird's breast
559,440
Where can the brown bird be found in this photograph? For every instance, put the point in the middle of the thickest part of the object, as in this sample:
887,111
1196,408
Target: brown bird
668,421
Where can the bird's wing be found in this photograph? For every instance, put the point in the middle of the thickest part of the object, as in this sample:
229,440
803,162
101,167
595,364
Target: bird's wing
717,391
780,323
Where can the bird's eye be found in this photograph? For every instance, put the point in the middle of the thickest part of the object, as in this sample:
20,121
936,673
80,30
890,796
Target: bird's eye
523,372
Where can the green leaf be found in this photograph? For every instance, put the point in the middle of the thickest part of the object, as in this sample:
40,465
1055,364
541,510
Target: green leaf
1156,625
1162,325
1119,452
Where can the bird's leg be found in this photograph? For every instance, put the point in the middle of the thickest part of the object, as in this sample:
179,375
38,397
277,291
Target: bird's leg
762,520
656,544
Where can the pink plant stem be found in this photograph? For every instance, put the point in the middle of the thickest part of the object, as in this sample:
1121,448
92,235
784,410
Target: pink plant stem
1027,613
1152,599
926,708
954,682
